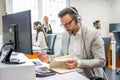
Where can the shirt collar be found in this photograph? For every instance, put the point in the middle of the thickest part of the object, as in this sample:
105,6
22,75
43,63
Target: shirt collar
79,32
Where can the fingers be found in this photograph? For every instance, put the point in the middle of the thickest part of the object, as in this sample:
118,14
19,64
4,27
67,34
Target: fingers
43,57
70,64
40,55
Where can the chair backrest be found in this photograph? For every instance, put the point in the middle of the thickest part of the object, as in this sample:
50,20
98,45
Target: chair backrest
51,42
107,41
117,38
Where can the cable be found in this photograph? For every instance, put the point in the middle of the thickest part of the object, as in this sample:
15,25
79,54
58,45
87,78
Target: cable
10,43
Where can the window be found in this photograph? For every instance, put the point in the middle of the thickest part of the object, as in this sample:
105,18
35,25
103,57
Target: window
22,5
51,8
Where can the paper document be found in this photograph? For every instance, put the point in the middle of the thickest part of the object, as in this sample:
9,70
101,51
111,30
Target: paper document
35,48
57,64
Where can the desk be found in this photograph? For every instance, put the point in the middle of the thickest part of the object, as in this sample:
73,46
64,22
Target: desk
26,72
18,71
66,76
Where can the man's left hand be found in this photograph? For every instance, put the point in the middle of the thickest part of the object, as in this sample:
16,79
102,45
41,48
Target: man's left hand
71,64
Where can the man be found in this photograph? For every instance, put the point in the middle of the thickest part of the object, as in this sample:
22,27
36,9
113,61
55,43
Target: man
97,24
84,43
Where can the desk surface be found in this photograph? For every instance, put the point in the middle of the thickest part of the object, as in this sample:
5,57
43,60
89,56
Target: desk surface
20,56
66,76
18,71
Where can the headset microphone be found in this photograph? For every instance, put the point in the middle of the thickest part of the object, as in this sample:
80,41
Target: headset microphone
75,30
76,15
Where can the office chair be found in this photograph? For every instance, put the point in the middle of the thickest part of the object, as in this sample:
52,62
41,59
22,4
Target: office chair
107,41
51,42
117,38
96,78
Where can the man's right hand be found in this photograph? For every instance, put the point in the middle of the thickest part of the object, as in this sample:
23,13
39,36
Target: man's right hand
43,57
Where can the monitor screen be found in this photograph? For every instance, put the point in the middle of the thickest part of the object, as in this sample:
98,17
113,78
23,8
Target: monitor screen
17,28
114,27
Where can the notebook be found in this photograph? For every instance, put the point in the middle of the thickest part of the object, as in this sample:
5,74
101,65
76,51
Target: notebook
57,64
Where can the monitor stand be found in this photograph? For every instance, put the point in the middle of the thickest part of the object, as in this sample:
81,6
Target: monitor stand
6,59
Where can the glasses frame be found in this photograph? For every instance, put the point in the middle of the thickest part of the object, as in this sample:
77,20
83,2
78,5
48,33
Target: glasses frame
66,25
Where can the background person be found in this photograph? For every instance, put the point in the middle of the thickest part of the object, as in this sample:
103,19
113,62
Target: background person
85,44
97,24
46,25
41,40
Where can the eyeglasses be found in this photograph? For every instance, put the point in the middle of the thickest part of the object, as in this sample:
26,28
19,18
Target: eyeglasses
67,24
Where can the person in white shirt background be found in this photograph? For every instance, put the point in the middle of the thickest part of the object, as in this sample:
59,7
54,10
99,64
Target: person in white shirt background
41,40
97,24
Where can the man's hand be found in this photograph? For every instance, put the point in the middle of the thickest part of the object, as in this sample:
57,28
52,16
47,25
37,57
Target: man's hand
43,57
71,64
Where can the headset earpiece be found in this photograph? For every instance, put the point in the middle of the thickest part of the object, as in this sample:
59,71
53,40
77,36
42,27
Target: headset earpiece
38,26
77,16
78,19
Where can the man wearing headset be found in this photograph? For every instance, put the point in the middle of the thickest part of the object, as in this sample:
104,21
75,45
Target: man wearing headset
84,43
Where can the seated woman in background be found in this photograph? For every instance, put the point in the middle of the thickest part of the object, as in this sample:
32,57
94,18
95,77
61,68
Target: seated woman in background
46,25
41,40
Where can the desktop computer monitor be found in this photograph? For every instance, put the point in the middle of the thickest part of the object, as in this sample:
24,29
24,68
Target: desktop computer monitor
114,27
17,29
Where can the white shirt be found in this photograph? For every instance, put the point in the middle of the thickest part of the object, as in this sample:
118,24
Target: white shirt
41,41
74,45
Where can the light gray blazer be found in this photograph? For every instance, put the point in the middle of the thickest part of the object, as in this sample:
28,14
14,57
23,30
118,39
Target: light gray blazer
93,54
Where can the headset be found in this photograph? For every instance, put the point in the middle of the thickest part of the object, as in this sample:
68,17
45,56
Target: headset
77,16
39,26
96,24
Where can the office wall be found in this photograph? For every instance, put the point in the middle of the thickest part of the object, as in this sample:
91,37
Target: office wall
91,10
115,11
40,11
2,12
